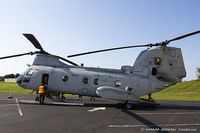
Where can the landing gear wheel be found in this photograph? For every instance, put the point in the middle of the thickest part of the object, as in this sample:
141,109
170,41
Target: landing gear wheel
128,105
62,97
150,99
37,98
41,98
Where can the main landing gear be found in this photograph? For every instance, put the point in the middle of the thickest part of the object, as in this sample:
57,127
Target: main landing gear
128,105
62,97
140,104
150,99
37,98
149,102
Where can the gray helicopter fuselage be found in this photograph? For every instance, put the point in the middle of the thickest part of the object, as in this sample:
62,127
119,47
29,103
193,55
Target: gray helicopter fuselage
79,80
153,70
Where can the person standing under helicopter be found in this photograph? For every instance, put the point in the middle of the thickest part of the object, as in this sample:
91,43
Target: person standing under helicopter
42,91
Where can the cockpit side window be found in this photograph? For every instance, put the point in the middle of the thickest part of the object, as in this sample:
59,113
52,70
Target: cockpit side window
30,72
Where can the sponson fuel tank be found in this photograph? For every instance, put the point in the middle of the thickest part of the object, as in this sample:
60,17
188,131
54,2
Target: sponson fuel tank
114,93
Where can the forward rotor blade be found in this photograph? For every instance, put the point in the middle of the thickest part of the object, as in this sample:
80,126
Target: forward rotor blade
110,49
17,55
33,40
183,36
68,61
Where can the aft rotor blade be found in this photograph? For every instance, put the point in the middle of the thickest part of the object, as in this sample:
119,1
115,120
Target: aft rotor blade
184,36
110,49
68,61
33,40
133,46
17,55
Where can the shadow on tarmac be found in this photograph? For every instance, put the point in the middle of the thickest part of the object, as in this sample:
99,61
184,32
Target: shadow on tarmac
179,107
144,121
161,105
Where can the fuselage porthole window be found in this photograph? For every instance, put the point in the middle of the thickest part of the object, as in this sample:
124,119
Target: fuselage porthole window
118,83
96,81
85,80
65,78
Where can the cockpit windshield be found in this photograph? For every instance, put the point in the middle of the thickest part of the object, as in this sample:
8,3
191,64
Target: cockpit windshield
29,72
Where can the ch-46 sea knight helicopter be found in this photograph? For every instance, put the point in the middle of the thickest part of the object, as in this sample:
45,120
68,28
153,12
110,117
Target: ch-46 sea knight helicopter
156,68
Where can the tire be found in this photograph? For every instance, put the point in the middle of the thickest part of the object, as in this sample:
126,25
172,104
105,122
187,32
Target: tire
128,106
37,98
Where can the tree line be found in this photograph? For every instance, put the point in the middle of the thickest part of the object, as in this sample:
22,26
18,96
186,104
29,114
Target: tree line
8,76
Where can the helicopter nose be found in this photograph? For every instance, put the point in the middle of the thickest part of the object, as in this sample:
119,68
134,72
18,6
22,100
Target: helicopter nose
19,79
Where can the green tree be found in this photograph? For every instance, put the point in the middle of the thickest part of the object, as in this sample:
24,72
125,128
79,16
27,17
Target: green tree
198,72
17,75
1,79
9,76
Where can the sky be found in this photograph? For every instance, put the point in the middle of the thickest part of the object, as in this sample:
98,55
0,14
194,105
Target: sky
65,27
